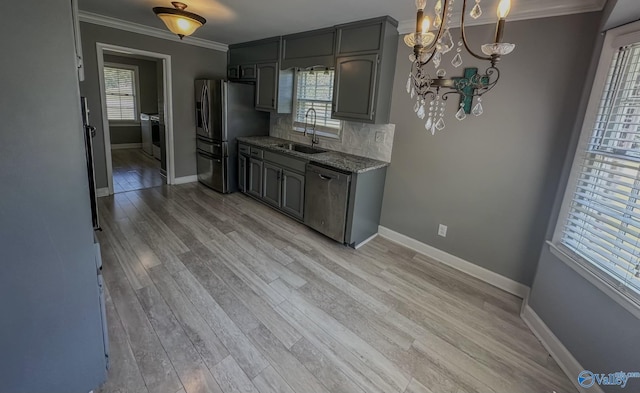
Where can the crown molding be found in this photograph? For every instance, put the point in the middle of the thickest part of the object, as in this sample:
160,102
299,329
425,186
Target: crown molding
577,7
97,19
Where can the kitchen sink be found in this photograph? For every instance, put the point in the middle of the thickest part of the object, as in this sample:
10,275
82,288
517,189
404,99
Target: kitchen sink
301,148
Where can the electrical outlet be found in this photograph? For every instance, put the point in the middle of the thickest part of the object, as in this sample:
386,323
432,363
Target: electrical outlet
442,230
379,137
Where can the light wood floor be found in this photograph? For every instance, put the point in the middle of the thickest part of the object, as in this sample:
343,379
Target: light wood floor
134,170
213,293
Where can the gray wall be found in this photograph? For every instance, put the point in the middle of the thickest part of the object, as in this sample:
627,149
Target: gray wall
188,62
148,82
492,179
51,332
599,333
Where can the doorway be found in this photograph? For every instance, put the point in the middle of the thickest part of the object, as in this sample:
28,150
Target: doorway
136,99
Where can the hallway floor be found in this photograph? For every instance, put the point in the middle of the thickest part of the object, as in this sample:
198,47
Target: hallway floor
134,170
219,293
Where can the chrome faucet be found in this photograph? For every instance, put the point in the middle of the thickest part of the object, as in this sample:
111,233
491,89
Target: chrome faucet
314,137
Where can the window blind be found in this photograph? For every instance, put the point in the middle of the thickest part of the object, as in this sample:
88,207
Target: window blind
314,89
603,221
120,93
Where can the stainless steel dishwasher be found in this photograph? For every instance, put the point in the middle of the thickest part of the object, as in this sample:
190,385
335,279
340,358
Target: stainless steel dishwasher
326,198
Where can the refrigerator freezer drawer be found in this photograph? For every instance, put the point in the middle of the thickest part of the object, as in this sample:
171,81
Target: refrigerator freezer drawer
212,171
214,148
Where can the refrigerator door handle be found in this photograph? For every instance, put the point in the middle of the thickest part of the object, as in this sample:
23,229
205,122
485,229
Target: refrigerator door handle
209,156
205,108
202,107
209,142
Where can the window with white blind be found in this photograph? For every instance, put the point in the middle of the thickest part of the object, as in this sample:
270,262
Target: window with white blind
600,219
314,89
121,92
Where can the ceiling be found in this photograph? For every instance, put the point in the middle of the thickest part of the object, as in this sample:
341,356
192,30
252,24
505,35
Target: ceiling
233,21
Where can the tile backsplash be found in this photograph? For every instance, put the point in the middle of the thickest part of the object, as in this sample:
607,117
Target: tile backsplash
357,138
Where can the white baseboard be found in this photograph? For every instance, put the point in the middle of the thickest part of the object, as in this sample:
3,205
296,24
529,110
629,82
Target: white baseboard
185,179
495,279
121,146
102,192
569,365
367,240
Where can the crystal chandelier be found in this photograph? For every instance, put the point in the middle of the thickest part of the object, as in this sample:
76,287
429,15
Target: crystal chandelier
431,48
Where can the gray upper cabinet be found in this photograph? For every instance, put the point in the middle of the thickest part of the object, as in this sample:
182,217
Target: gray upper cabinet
266,86
293,194
272,189
363,54
247,71
365,68
309,49
233,72
366,36
259,61
254,52
243,71
274,88
354,89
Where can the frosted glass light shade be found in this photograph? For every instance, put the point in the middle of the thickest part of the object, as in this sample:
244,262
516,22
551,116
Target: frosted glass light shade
180,25
179,21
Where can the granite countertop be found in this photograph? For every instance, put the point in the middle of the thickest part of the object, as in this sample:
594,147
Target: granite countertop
335,159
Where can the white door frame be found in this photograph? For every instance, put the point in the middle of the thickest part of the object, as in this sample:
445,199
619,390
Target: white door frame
168,107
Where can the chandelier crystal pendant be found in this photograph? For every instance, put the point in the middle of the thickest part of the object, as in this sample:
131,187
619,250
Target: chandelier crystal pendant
178,21
431,48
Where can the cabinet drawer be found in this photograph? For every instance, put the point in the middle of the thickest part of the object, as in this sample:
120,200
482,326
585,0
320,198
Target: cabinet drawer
218,149
257,153
244,149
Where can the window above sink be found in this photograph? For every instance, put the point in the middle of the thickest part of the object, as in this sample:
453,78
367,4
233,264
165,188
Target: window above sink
314,89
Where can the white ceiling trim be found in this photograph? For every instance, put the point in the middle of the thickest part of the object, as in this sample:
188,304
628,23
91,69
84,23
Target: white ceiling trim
409,26
96,19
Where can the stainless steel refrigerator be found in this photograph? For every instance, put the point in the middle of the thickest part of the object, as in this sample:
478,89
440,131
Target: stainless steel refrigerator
224,111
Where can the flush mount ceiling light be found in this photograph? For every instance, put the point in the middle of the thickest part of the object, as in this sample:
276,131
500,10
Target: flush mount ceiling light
431,48
179,21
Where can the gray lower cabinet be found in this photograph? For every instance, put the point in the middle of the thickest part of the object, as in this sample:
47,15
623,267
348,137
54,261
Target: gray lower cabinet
271,186
242,173
274,178
354,88
293,193
255,177
279,180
